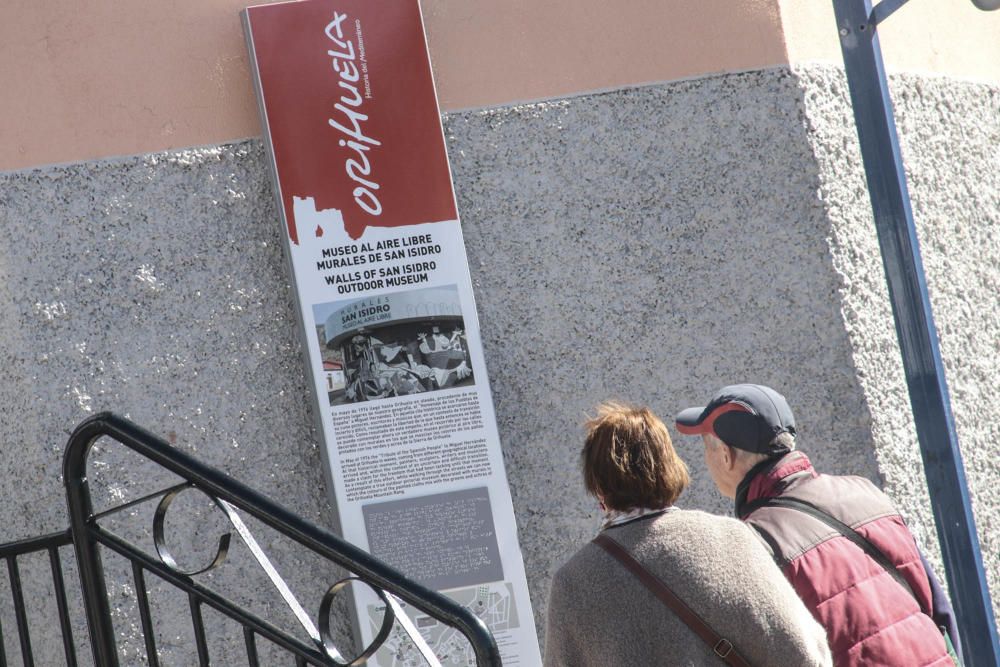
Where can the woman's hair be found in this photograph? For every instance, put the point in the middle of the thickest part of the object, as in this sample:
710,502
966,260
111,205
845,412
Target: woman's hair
628,459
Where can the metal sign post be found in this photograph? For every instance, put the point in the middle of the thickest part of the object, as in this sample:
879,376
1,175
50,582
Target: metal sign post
856,23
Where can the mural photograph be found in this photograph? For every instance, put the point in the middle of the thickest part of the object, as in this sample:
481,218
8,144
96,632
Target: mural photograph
395,344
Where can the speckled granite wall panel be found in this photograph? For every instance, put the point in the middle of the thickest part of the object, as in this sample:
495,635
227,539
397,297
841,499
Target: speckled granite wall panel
154,287
648,244
950,133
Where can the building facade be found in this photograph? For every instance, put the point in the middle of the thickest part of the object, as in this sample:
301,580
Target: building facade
656,202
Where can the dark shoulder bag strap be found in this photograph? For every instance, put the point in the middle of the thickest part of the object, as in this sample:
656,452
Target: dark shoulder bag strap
720,646
863,543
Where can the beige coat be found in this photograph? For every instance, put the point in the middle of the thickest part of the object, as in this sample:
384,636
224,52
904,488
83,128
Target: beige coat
600,614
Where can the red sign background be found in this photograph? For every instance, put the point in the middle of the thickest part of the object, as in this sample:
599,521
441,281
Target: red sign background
395,133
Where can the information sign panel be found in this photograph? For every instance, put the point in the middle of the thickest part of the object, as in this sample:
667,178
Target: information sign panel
392,339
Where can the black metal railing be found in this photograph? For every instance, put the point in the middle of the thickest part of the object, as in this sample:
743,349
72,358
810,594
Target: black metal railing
311,642
10,553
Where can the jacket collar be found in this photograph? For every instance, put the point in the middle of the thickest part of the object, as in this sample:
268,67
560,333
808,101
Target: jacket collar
771,478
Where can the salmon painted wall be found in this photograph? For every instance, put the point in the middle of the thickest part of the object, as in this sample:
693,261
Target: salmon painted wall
90,80
945,37
84,81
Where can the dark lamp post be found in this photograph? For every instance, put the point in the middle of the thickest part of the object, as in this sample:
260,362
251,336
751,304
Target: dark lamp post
857,27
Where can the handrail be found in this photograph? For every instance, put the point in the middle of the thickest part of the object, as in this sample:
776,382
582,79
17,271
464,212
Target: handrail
87,535
9,553
33,544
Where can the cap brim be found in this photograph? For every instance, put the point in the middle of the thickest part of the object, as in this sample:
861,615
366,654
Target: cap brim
690,421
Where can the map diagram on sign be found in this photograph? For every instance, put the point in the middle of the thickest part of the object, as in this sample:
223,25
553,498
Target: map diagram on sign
493,603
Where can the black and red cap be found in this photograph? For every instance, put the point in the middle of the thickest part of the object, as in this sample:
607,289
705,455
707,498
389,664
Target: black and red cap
745,416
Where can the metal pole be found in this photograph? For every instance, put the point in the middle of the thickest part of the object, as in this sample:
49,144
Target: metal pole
915,329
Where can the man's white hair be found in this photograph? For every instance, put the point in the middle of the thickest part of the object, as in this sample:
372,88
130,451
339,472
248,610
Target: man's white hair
747,459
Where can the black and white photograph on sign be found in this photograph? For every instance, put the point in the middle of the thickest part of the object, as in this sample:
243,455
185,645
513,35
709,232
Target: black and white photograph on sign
394,344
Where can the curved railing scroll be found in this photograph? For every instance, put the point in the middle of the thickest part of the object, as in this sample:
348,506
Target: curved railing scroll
232,497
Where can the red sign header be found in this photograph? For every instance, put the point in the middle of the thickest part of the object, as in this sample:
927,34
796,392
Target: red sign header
350,108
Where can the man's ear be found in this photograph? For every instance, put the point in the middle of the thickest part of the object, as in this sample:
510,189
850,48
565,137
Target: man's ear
728,457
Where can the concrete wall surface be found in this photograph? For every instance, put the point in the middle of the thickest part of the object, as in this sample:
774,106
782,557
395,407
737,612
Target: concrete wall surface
155,287
949,133
649,244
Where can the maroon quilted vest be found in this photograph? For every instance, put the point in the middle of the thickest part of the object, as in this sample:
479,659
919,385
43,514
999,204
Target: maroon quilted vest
870,619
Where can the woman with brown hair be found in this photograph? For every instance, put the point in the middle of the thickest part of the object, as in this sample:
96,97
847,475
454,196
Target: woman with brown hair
662,585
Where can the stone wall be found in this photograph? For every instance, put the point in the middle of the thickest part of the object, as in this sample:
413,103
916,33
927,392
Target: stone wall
949,132
648,244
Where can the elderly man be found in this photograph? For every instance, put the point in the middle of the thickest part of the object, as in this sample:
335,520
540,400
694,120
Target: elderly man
840,542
